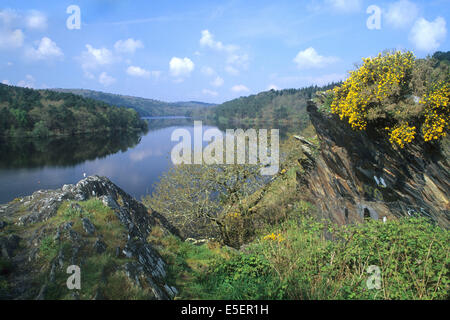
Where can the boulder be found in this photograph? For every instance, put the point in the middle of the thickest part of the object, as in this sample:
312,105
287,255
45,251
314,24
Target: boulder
28,212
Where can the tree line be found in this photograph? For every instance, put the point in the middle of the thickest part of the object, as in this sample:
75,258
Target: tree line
273,105
41,113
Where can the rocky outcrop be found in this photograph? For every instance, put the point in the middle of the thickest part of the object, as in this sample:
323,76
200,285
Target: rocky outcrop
29,223
355,175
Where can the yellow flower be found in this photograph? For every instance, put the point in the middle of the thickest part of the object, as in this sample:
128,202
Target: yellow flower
274,237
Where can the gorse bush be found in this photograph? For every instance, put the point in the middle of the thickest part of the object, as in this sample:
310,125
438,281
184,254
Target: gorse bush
377,83
437,111
387,93
401,134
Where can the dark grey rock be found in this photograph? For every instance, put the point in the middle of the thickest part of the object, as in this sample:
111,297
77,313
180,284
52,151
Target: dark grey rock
52,272
61,258
148,266
98,295
74,236
304,140
75,252
42,292
75,295
8,245
358,173
88,226
57,236
99,246
67,226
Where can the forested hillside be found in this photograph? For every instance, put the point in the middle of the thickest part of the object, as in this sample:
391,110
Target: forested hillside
145,107
40,113
287,105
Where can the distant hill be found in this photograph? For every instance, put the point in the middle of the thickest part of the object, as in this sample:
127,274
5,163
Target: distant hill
28,112
273,105
145,107
193,104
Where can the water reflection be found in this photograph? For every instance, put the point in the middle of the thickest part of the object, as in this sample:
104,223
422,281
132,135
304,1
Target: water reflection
63,151
132,161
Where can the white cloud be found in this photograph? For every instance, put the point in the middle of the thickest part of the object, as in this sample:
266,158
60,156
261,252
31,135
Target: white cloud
7,17
92,57
181,67
105,79
36,20
234,58
273,87
240,88
401,14
218,82
155,73
344,5
89,75
239,60
138,72
207,40
10,39
309,58
141,72
208,71
231,70
128,46
6,82
29,82
212,93
46,49
428,36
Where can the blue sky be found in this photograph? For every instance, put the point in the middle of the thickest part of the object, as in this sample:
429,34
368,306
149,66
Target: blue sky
207,50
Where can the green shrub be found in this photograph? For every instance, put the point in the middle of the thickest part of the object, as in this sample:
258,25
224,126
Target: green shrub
48,248
244,276
306,259
411,254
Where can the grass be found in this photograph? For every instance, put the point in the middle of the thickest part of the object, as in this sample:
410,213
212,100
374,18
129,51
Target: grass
103,218
411,254
99,272
307,259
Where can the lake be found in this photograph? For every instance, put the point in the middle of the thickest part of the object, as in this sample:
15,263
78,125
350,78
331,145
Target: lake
132,161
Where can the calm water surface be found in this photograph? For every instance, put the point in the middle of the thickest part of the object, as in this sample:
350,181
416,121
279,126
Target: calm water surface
133,161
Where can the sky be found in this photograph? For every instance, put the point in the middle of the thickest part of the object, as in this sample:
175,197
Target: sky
207,51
